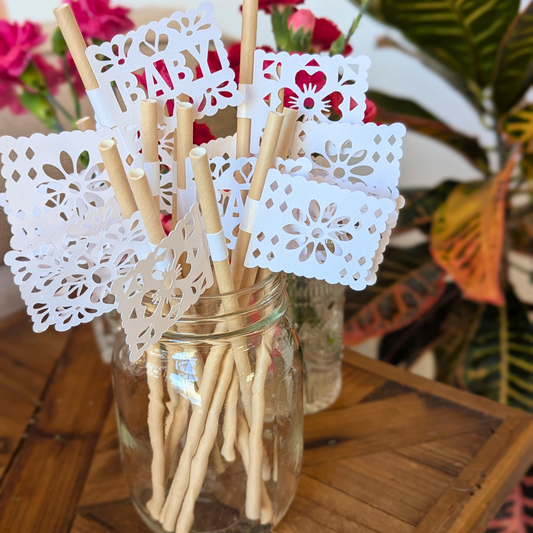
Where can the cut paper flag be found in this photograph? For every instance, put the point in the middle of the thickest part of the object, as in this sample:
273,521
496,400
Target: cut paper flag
360,157
163,61
163,286
52,182
321,88
318,230
66,280
232,179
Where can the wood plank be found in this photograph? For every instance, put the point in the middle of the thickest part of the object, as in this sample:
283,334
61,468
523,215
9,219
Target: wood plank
43,485
449,455
386,424
342,512
83,524
105,481
120,517
480,489
27,360
433,388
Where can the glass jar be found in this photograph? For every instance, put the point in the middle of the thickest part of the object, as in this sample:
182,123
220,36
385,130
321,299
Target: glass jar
317,311
205,447
106,329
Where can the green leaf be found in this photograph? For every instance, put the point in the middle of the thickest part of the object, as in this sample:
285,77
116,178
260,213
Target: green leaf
280,26
499,359
514,67
338,46
33,78
462,35
299,41
408,284
59,45
519,125
420,205
41,108
392,109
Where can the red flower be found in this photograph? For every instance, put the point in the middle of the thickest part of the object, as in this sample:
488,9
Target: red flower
267,5
201,134
9,98
98,20
16,46
371,111
324,34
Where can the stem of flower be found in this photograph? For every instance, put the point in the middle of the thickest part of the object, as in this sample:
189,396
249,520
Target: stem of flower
57,105
73,92
357,20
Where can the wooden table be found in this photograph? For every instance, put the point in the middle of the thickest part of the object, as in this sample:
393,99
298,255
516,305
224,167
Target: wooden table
396,454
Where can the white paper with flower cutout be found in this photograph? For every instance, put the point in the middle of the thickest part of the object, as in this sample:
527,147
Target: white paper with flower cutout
232,180
164,56
359,157
48,187
317,230
157,292
66,280
308,83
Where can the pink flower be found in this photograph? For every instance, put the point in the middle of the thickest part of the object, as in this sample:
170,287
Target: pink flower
303,18
9,98
16,47
98,20
54,76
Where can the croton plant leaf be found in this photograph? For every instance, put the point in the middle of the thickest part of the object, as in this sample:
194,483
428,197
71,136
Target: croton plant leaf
467,235
498,363
519,125
408,284
462,35
420,205
392,109
516,514
513,73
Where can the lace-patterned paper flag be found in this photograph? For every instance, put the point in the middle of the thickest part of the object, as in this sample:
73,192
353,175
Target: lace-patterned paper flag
231,179
321,88
162,287
317,230
65,281
162,60
52,181
359,157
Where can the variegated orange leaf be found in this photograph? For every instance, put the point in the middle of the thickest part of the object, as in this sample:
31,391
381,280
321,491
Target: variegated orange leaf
467,236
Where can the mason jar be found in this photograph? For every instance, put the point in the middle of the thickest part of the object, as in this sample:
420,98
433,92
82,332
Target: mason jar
317,312
210,419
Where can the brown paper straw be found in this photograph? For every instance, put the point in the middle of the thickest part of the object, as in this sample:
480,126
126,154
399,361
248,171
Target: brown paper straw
86,124
117,177
290,116
182,146
149,138
246,70
229,428
76,44
145,202
264,163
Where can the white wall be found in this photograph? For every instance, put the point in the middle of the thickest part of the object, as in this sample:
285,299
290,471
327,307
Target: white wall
425,162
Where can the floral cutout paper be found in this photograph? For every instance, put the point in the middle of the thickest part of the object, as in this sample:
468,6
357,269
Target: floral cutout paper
360,157
66,280
162,287
321,88
163,60
317,230
52,182
232,179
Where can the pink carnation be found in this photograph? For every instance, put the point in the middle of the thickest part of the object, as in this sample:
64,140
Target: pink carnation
16,47
9,98
98,20
302,18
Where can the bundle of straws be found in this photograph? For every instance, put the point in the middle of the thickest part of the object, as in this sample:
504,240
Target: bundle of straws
87,233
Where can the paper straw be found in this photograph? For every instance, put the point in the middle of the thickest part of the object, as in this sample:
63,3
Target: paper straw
229,428
264,163
290,116
117,177
76,44
182,146
85,124
150,148
246,70
145,202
